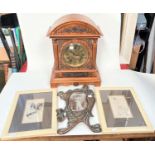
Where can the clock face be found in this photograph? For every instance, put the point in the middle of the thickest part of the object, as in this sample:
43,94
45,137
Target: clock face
74,54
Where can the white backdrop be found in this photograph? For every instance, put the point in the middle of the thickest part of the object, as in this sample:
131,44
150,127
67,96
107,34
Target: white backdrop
39,47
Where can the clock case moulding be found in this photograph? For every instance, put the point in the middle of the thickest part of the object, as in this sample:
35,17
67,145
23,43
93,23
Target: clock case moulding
79,30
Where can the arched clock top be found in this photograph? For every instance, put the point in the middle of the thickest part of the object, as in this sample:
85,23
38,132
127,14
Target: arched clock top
74,25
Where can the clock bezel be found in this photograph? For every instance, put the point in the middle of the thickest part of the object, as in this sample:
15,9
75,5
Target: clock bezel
83,43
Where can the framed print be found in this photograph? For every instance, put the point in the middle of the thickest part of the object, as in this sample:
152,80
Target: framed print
120,111
33,113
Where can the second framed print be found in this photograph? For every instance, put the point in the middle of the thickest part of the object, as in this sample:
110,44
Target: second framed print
33,113
120,111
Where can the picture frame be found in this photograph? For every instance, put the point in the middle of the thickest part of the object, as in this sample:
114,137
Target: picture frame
110,114
78,109
32,114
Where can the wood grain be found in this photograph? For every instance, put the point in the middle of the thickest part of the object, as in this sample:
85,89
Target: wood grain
3,56
74,28
92,137
134,56
4,61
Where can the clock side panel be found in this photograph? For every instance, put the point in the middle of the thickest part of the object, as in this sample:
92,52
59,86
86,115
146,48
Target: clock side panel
56,53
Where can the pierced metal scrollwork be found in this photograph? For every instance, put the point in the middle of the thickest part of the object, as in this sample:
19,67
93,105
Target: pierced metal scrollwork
75,29
79,104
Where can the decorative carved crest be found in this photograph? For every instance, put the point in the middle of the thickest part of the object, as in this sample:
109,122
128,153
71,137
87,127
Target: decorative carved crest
75,29
74,25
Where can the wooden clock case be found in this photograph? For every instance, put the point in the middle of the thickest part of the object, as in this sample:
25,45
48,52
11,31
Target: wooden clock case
76,29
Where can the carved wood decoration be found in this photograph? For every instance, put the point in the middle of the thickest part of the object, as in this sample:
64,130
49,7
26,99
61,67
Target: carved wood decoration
74,40
79,105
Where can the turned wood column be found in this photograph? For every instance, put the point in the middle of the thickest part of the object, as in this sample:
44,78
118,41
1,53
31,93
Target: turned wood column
94,52
56,58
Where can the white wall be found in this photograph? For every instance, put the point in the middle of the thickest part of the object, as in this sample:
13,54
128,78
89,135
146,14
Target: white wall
39,47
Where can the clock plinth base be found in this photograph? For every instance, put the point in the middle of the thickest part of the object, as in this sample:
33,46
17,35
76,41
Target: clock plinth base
65,81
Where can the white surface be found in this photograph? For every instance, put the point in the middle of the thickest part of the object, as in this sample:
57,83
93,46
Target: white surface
40,59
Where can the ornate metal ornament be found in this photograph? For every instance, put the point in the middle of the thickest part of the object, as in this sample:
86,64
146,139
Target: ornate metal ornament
75,29
79,104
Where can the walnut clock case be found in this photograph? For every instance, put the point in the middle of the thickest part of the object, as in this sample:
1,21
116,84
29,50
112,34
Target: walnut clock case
74,40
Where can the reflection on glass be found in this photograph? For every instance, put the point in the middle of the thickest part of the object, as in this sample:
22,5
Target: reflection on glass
120,109
75,54
33,111
78,101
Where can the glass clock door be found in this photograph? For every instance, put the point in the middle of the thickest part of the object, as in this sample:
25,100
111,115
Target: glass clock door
74,55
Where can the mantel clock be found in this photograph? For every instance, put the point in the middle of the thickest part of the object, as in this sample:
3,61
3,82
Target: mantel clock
74,40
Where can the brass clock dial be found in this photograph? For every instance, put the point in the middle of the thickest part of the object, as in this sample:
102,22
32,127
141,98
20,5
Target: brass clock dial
74,54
